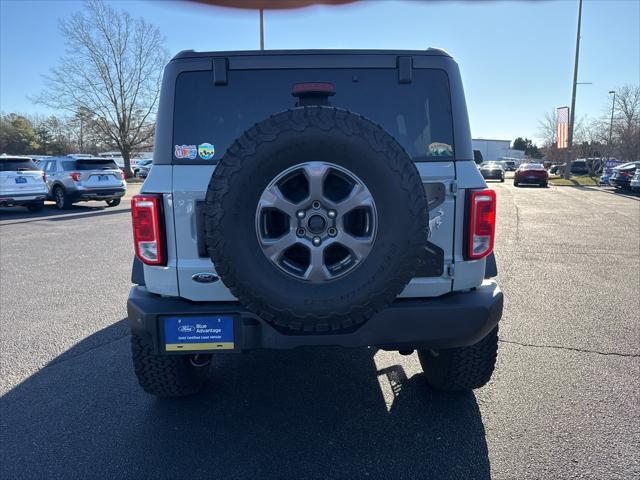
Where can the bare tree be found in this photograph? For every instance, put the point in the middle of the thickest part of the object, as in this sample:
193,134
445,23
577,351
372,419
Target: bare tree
548,128
626,123
109,76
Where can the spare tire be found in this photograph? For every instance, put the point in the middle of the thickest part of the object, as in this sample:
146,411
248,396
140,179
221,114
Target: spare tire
316,219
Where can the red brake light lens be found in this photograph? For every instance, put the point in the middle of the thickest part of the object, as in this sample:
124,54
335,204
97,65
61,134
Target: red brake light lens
313,88
75,176
148,237
122,175
482,223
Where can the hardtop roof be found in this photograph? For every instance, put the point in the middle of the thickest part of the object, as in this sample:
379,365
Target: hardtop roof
238,53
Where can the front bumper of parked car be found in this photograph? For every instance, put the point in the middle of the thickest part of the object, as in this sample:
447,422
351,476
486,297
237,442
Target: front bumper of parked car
453,320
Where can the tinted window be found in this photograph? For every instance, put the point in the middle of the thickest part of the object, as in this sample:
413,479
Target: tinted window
89,165
15,164
417,114
532,166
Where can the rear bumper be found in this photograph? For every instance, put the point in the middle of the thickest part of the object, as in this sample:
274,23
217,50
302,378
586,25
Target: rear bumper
533,181
22,198
493,175
453,320
98,194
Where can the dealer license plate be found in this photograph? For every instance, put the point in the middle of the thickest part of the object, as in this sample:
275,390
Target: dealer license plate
199,333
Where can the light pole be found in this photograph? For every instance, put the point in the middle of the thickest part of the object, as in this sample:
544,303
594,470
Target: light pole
261,29
613,106
572,112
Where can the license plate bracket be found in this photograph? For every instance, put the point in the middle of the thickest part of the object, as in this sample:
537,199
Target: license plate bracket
21,180
198,333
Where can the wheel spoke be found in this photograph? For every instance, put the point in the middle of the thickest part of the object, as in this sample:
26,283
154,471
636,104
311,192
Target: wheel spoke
317,271
273,198
316,173
358,246
274,248
359,197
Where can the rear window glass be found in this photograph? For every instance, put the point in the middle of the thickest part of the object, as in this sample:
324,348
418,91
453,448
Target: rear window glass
15,164
89,165
533,166
417,114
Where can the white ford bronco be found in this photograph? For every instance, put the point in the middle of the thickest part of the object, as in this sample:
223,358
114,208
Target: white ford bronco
304,198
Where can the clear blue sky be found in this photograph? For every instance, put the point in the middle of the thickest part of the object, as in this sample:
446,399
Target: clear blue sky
516,57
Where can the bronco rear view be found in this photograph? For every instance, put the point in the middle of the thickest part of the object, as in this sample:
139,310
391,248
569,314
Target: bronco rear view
310,198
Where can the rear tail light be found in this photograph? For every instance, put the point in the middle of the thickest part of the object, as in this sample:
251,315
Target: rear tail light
122,175
75,176
148,235
482,223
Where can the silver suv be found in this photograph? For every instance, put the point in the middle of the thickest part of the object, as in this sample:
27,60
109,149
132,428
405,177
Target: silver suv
313,198
21,183
74,179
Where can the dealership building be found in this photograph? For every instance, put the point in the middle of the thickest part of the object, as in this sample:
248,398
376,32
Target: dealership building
496,149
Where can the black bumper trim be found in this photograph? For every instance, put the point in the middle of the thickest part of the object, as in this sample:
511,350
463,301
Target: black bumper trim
98,194
21,198
453,320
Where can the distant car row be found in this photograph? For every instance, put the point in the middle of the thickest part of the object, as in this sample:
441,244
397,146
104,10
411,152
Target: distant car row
577,167
625,176
65,180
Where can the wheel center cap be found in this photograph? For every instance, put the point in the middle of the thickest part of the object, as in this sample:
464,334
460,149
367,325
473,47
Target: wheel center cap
317,224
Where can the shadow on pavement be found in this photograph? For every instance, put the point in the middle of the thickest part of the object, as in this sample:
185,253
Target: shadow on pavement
52,214
266,414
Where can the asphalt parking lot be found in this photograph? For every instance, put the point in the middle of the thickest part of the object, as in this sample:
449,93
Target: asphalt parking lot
564,402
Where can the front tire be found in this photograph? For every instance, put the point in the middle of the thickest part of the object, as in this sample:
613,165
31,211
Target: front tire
463,368
166,375
515,184
113,202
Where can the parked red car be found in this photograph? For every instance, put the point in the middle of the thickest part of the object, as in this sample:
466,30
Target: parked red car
531,173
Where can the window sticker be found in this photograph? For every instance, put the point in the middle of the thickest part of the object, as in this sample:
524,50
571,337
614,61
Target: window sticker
206,151
437,149
186,151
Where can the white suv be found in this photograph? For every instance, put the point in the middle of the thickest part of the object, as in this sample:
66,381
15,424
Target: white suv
313,198
21,183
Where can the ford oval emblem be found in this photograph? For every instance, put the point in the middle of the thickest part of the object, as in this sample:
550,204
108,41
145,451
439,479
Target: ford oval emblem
186,328
205,278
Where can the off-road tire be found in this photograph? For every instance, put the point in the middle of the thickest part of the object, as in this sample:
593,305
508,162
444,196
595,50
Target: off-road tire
61,198
36,206
113,203
322,134
461,369
165,375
